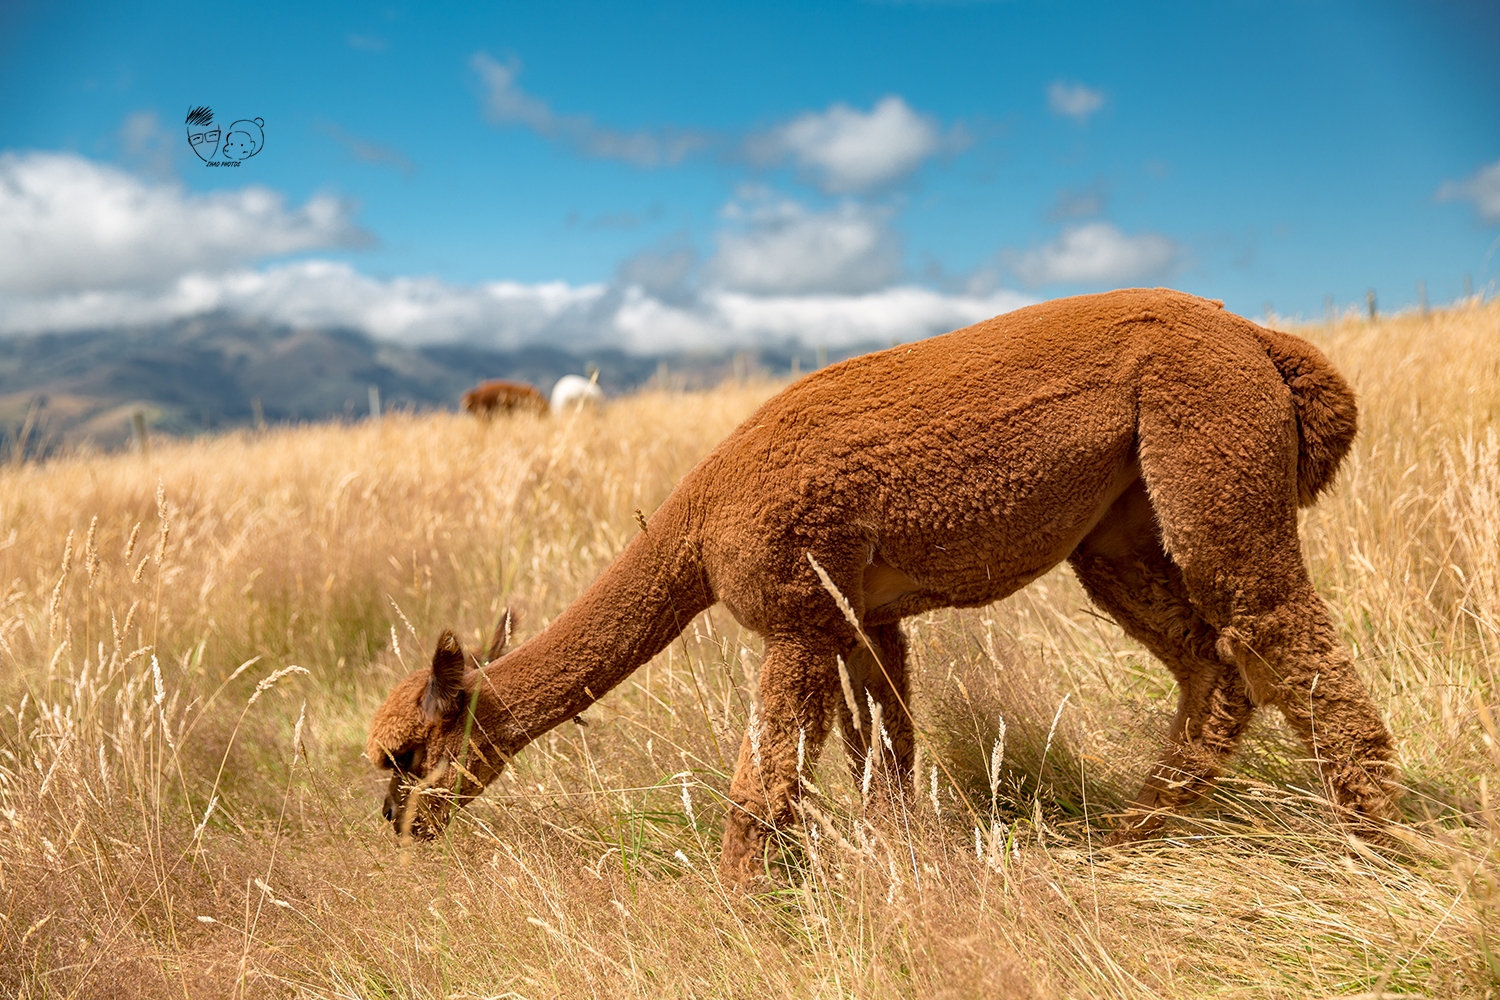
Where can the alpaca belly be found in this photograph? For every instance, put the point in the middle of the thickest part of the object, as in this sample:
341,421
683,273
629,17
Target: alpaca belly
948,568
884,585
891,594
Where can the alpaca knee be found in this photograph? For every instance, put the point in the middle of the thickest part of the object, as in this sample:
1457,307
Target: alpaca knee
1264,683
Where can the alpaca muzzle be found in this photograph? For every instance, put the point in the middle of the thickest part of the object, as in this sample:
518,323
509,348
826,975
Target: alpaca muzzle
419,809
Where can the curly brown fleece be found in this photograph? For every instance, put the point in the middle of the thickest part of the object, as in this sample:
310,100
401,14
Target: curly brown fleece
500,395
1157,442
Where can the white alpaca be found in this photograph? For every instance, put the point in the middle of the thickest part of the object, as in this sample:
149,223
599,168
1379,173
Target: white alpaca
575,391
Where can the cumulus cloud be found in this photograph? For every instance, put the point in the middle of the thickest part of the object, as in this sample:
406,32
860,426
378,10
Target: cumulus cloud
642,322
661,270
903,312
779,247
323,293
843,150
1482,188
848,151
147,146
508,314
1074,100
1097,253
507,104
68,224
85,245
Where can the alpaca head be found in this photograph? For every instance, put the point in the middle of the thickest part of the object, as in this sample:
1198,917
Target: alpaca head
427,736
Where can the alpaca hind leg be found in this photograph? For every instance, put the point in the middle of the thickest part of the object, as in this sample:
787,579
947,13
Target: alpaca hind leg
786,733
1225,496
1291,657
883,684
1126,572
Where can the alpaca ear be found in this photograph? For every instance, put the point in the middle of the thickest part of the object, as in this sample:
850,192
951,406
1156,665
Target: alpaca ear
445,687
501,638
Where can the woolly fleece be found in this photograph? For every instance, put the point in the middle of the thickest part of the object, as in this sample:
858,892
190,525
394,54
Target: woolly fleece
1159,443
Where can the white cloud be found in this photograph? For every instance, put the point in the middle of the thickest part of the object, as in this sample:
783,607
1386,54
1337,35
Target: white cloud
509,314
902,313
1483,189
850,151
844,150
147,146
1074,100
324,293
85,245
68,224
721,318
785,249
665,268
507,104
1097,253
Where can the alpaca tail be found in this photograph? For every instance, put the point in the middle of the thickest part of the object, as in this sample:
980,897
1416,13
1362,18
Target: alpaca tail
1327,414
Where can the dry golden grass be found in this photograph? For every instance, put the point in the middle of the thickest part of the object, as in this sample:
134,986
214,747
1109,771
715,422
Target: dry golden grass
184,809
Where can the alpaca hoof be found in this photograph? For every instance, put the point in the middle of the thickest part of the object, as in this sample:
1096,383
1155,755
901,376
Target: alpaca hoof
1134,827
1124,838
1366,835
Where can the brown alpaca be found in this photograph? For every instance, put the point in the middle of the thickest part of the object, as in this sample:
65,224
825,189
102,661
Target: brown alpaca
500,395
1158,443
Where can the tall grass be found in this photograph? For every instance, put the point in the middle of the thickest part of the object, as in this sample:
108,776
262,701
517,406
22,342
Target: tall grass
190,648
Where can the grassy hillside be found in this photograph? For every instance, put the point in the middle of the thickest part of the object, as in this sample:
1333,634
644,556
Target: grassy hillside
191,645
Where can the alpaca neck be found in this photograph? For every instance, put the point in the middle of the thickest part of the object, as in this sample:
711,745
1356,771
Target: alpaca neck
638,605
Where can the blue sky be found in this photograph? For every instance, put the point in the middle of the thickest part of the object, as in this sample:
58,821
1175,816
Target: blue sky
668,175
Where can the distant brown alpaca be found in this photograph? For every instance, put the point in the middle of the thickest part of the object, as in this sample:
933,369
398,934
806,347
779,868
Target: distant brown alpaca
500,395
1158,443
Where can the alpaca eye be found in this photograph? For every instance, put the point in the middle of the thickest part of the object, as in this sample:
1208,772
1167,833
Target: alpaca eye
405,760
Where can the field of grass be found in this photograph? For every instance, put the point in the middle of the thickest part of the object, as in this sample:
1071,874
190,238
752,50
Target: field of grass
191,646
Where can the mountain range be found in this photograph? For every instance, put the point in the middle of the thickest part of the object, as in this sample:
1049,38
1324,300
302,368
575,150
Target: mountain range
60,391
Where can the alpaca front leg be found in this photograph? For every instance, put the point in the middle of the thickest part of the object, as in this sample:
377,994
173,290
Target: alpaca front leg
782,742
748,819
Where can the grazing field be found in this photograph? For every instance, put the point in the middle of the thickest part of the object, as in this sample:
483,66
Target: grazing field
191,646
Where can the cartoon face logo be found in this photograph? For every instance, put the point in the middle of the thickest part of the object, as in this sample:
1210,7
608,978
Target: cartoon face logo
202,136
244,139
226,147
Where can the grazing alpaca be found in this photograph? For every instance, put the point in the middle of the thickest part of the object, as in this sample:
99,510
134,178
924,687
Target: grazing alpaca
575,390
1158,443
503,396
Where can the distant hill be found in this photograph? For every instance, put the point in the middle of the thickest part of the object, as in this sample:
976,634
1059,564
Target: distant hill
203,374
